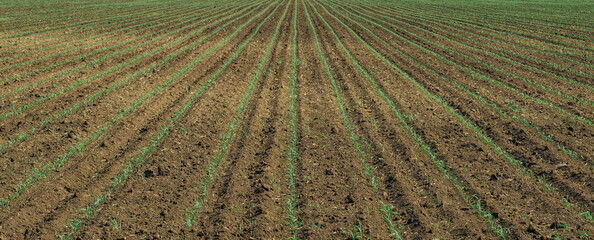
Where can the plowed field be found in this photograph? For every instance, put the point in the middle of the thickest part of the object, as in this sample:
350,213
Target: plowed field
301,119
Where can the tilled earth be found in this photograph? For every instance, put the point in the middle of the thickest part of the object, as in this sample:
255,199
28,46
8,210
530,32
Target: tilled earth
410,120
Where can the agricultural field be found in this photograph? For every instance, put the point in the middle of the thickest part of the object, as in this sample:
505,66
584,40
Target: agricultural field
296,119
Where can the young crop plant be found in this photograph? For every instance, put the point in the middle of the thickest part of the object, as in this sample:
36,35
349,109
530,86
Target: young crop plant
293,154
358,231
117,225
388,210
587,215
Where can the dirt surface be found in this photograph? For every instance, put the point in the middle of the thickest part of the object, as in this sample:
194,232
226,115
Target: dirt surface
411,121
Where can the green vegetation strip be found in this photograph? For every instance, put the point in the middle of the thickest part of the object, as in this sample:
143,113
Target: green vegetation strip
497,108
470,199
293,154
36,17
477,130
543,25
144,19
137,161
40,173
32,13
94,63
19,110
483,76
537,31
391,226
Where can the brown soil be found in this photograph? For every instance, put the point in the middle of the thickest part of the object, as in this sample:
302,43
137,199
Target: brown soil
336,198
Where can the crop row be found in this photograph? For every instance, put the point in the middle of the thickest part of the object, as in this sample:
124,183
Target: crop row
233,124
503,57
77,18
293,154
557,16
544,29
144,25
475,203
502,33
